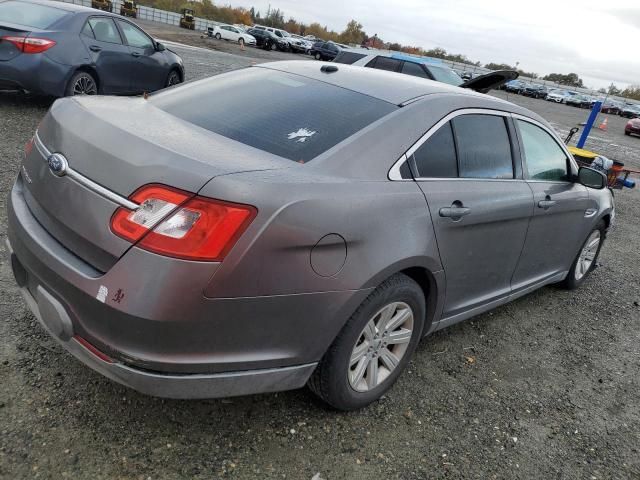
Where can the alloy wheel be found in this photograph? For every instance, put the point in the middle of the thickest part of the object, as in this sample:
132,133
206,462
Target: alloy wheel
174,79
85,85
588,254
380,347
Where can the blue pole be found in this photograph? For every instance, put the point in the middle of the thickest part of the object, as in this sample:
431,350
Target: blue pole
587,128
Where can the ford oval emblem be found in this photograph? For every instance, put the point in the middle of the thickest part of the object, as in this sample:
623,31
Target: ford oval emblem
58,164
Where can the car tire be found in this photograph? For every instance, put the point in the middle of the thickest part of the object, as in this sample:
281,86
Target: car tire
348,385
587,258
318,56
627,133
81,83
218,36
173,78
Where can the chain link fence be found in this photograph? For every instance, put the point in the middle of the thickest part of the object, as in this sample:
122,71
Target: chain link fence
154,14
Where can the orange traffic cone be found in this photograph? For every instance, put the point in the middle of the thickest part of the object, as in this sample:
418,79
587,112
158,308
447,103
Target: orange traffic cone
603,125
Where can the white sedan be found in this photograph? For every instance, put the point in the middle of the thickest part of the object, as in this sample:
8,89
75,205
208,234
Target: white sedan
231,33
558,96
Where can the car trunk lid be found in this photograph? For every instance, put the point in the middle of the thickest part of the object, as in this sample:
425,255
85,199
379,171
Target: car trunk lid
9,50
114,146
491,80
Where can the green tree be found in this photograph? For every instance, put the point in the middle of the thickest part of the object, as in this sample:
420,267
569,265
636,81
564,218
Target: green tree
498,66
570,79
632,92
353,33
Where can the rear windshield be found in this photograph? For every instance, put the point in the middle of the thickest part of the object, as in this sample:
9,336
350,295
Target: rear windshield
30,14
348,57
287,115
445,75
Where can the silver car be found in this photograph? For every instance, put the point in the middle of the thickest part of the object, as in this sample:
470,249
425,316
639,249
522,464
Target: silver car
291,223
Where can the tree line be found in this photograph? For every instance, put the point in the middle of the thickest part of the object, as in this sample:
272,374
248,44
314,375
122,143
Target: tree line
354,34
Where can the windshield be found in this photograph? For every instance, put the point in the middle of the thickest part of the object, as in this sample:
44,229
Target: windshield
287,115
445,75
30,14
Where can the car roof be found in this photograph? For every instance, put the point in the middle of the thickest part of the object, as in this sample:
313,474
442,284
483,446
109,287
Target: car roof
388,86
70,7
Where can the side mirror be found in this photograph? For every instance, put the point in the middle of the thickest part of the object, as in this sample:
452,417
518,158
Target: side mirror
160,47
592,178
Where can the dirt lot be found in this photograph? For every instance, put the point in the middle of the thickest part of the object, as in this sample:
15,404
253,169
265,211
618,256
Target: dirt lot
546,387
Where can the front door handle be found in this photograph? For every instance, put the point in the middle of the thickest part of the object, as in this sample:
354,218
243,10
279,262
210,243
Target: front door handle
547,203
95,48
455,212
135,54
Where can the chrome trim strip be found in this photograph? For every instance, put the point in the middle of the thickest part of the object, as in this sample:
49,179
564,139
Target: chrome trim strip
394,173
44,151
100,190
469,179
86,182
465,111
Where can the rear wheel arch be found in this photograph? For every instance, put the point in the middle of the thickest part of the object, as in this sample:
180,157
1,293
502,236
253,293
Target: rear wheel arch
90,70
421,270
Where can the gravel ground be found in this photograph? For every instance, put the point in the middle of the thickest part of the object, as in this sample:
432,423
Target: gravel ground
546,387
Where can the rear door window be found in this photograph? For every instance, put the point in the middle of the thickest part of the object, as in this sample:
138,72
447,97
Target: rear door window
284,114
445,75
105,30
436,157
385,63
484,147
348,58
30,14
87,32
410,68
544,158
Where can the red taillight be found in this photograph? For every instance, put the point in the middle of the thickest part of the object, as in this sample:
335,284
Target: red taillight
28,147
30,44
177,224
156,202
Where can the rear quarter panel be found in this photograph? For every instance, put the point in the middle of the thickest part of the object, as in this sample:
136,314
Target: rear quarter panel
382,223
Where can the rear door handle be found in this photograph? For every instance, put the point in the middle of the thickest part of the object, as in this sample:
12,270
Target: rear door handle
135,54
95,48
546,204
456,211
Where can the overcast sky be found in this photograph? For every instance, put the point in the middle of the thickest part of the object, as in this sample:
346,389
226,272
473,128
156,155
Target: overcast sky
543,35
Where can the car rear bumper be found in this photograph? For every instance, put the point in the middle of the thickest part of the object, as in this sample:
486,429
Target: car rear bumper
165,338
54,319
34,73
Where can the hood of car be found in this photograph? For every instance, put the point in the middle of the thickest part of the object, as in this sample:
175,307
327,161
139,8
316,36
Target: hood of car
490,81
635,122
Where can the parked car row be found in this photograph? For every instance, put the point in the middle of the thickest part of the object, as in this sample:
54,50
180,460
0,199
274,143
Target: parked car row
572,98
268,38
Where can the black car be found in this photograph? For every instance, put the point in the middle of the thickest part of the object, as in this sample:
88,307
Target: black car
580,101
325,50
514,86
612,107
58,49
267,40
630,111
535,91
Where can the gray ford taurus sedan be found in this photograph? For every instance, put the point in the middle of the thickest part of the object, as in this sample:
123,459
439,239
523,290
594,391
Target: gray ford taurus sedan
288,224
